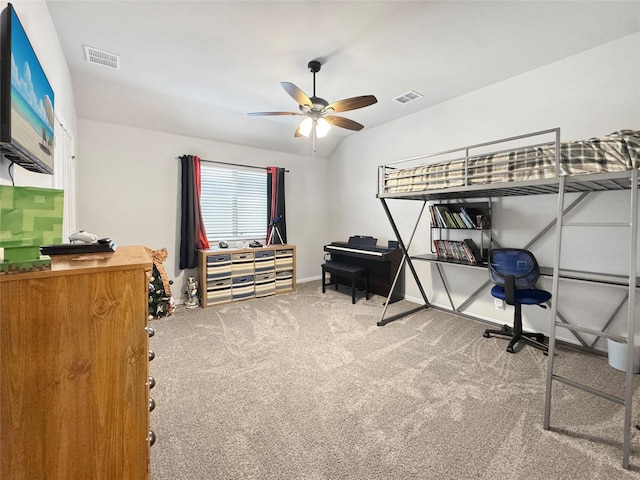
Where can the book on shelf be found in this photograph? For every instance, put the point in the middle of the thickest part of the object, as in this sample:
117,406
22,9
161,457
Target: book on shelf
445,216
442,216
476,217
448,219
457,219
432,213
465,250
465,219
473,248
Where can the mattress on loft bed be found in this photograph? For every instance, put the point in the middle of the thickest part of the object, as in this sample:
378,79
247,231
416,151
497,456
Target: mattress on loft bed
615,152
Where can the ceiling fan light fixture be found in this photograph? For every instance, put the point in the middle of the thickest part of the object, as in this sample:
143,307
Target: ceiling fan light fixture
305,127
322,127
318,112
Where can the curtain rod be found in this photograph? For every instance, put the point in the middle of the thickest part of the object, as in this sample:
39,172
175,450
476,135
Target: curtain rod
235,164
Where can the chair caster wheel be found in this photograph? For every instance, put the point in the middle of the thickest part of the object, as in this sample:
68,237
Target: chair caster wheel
505,328
486,335
510,349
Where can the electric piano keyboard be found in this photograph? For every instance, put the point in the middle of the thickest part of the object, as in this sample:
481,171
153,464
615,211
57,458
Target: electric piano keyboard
382,263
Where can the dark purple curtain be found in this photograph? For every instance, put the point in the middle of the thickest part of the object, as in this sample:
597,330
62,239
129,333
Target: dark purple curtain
276,207
192,233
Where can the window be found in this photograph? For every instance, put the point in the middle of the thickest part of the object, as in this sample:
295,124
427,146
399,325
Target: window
234,203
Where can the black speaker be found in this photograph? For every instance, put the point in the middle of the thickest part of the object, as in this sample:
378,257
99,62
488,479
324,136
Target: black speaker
394,244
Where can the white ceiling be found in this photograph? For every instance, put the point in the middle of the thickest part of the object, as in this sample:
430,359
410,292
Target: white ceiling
196,68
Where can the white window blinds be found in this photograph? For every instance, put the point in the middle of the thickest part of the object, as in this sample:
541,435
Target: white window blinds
234,203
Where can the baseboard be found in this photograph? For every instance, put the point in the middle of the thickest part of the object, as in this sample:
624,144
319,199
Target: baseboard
308,279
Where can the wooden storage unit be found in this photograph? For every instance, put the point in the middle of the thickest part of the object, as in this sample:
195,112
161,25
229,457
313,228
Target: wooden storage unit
240,274
74,363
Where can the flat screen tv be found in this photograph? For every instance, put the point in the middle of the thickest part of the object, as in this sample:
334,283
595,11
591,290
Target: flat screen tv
26,99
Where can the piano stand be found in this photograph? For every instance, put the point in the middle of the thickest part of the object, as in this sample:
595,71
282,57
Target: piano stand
343,270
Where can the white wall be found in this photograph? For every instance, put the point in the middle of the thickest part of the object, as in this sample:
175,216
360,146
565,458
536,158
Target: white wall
590,94
128,189
35,18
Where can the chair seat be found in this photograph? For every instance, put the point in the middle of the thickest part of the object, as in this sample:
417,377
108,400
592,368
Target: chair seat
531,296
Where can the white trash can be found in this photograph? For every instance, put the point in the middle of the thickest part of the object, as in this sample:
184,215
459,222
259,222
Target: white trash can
617,352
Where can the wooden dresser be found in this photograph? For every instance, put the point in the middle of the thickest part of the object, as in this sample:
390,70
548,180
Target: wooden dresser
74,363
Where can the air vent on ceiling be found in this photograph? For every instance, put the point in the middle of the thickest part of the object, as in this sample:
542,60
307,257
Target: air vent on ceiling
410,96
100,57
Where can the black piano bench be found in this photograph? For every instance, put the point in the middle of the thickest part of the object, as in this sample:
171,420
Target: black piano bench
344,270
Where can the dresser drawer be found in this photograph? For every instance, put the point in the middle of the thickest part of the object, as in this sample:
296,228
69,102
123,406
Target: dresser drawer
219,295
265,261
265,284
243,287
284,259
218,266
218,284
242,263
284,280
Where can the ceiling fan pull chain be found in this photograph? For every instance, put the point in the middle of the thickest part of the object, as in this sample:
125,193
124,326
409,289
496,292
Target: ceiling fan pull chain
313,129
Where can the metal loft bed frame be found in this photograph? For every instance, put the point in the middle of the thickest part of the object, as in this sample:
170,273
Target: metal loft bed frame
463,187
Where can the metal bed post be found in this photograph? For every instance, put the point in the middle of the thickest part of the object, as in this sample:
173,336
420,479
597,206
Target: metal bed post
407,258
554,288
631,321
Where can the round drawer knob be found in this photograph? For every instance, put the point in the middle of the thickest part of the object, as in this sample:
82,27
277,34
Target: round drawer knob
151,438
151,355
152,404
151,382
150,330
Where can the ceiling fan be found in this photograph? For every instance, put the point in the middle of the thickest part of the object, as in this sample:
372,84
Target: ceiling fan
319,112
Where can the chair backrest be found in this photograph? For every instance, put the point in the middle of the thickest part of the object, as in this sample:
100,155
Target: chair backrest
518,263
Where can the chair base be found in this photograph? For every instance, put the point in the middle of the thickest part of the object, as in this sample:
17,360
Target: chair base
536,340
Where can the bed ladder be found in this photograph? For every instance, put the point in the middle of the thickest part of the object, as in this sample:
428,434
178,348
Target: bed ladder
630,338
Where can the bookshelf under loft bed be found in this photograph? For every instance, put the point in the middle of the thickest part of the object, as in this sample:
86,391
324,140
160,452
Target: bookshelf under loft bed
530,164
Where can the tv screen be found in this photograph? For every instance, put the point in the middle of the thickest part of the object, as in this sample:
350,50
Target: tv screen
26,99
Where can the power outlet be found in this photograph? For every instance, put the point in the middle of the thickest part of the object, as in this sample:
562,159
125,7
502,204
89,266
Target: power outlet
499,304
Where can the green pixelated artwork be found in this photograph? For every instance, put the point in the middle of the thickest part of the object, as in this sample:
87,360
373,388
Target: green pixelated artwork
29,217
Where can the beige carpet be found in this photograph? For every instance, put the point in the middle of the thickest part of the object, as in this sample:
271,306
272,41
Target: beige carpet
306,386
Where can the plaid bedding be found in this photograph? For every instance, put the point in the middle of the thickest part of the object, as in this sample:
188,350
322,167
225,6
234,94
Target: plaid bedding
615,152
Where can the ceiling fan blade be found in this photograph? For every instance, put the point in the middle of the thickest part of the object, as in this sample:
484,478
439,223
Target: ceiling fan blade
256,114
352,103
344,123
297,94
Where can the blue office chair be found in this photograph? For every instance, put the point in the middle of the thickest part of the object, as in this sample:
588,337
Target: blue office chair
515,272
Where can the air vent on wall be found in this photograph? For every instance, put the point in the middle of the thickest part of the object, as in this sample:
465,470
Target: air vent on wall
100,57
410,96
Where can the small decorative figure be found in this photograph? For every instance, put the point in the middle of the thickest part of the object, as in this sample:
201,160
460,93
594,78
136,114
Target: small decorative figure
192,293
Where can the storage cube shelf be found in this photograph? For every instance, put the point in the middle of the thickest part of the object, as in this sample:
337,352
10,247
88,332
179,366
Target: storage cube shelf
241,274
